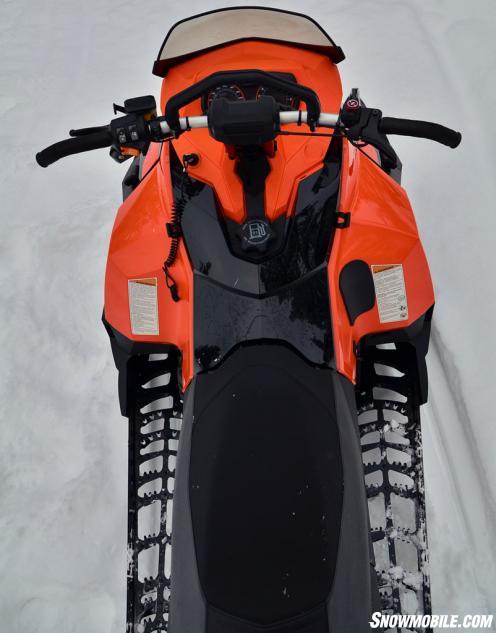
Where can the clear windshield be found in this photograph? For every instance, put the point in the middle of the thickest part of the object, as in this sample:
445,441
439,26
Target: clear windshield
229,25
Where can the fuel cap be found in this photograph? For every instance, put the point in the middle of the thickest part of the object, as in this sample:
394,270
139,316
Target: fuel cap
256,235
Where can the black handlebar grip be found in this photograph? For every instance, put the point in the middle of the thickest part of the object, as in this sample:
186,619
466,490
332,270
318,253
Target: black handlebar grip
421,129
76,145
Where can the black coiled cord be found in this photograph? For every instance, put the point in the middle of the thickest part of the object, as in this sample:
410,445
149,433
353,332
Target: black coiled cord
174,231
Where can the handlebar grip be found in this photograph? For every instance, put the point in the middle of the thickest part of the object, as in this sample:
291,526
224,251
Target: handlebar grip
76,145
421,129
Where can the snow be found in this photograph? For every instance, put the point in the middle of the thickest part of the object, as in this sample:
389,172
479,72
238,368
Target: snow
63,442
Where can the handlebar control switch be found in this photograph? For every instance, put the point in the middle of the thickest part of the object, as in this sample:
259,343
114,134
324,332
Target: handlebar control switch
117,155
350,112
133,131
352,105
121,135
130,131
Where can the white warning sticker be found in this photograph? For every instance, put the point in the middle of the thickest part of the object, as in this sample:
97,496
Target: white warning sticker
143,305
389,283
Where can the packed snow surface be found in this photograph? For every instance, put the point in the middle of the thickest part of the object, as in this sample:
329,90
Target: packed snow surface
63,442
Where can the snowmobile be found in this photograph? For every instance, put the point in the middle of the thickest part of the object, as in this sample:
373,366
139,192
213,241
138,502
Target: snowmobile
268,303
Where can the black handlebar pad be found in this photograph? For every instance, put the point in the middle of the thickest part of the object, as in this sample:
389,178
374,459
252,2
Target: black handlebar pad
179,100
421,129
76,145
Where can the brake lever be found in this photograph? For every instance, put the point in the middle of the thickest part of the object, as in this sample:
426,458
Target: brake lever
87,130
362,124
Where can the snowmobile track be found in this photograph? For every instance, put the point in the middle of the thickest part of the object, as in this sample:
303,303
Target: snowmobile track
153,437
391,439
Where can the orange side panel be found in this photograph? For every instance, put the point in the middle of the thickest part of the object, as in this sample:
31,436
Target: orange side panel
382,231
138,247
151,157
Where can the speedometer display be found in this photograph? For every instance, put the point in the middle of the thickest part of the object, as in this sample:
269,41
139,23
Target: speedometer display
231,92
284,100
250,91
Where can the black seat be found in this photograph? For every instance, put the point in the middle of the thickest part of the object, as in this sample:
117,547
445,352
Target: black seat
266,486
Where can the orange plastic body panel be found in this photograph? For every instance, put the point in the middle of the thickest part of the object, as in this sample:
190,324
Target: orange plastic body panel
138,248
139,243
151,157
382,231
296,157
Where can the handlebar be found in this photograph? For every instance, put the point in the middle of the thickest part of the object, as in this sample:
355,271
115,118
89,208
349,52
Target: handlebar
103,136
389,125
292,116
75,145
421,129
159,129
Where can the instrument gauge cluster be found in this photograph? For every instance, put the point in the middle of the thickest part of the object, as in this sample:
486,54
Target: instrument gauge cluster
242,92
231,92
285,101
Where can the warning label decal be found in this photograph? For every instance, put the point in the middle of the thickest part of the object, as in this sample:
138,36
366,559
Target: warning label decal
143,305
390,292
